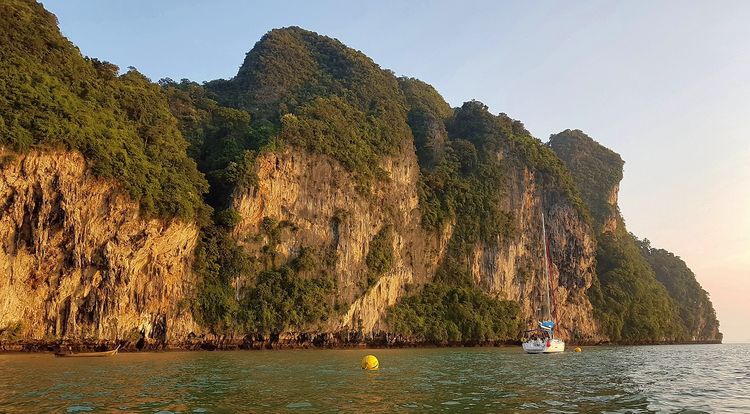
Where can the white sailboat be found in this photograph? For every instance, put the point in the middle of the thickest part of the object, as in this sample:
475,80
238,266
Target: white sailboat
543,340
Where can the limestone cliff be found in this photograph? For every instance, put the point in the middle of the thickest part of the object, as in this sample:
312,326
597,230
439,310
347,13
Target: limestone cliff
78,262
511,266
318,196
695,307
514,270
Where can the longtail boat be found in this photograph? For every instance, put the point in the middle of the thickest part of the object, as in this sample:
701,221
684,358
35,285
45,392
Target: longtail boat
88,354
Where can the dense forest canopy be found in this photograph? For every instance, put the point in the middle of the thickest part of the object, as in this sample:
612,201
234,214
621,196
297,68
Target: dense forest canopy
445,313
52,97
464,158
695,307
641,294
320,95
596,169
631,305
223,141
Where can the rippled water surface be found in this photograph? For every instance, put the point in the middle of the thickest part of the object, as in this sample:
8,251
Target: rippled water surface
694,378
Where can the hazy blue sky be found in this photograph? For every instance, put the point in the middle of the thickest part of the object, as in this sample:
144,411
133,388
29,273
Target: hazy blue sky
665,84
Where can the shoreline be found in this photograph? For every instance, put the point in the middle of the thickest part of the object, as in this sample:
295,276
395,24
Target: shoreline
42,347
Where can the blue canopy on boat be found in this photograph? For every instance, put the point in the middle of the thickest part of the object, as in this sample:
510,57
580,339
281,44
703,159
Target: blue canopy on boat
547,325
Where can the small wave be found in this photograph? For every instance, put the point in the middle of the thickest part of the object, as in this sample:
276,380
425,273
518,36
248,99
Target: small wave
301,404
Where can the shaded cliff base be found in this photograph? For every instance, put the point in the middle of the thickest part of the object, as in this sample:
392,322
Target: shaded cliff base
338,340
305,340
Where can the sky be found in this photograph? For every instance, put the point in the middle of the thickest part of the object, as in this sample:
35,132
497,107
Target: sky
664,84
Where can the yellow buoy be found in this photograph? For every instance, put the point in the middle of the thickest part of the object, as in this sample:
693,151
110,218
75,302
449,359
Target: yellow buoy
578,349
369,362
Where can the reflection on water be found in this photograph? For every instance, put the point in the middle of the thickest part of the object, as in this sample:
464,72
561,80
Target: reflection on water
701,378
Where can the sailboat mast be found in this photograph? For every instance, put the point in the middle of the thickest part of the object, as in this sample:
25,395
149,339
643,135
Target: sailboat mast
546,267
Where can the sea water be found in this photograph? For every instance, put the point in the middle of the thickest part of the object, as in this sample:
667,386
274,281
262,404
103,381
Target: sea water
690,378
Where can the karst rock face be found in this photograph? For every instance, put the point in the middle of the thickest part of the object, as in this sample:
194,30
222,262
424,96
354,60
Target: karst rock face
318,197
515,269
77,262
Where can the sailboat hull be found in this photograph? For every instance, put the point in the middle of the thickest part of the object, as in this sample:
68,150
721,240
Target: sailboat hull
544,347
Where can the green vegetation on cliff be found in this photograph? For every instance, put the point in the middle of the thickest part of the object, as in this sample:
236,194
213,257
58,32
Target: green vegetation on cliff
309,91
281,301
641,294
453,308
465,157
456,174
443,312
500,137
224,141
597,170
333,127
338,103
630,304
427,115
696,310
284,297
295,88
322,96
379,257
218,262
51,97
465,189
